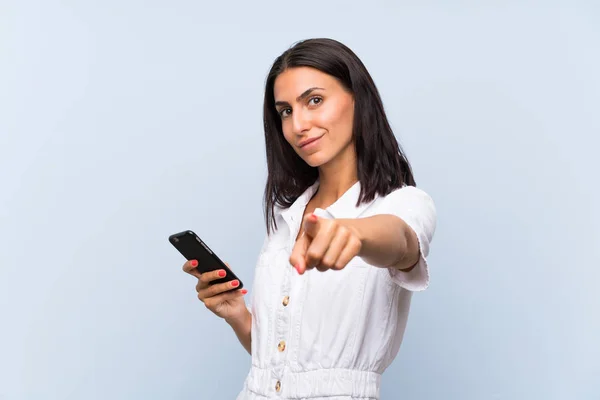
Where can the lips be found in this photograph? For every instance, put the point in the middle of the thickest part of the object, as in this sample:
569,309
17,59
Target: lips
308,141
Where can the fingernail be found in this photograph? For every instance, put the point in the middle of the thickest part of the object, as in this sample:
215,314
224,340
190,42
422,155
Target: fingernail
235,283
194,263
313,218
244,291
222,273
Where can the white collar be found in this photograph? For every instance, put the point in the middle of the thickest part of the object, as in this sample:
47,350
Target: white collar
344,207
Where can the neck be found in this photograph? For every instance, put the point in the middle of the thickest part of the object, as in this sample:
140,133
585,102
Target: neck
336,177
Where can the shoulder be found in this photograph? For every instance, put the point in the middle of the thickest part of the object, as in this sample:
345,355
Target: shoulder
414,205
407,196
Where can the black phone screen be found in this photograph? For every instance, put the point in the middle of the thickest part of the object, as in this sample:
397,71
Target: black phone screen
193,248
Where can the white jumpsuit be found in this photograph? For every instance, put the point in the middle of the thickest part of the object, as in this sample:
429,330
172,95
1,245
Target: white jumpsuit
330,335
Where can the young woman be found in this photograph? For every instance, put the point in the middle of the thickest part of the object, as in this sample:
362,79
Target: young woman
347,236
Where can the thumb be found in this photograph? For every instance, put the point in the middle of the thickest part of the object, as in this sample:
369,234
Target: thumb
298,256
311,225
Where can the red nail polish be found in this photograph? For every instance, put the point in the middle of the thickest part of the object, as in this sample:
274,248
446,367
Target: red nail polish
244,291
313,217
222,273
194,263
235,283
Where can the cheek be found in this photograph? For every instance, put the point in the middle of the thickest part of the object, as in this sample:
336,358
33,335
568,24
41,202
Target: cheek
328,116
288,135
340,121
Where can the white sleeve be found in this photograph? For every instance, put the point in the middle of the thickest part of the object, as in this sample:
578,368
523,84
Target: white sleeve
416,208
262,249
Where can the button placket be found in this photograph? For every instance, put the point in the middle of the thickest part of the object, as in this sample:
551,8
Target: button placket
283,320
282,314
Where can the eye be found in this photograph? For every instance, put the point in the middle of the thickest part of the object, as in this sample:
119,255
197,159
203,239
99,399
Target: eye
315,100
283,111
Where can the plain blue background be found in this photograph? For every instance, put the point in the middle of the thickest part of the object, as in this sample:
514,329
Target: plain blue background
122,122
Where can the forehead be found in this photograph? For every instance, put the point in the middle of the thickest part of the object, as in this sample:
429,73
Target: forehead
294,81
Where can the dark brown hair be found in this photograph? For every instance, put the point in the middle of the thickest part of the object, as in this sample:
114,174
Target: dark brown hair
382,165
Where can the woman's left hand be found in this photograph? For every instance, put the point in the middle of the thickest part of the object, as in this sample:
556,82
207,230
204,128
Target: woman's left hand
325,244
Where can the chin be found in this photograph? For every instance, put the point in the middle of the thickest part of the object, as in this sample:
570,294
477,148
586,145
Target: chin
315,160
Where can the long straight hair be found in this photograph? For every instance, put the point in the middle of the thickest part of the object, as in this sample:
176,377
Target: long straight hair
382,165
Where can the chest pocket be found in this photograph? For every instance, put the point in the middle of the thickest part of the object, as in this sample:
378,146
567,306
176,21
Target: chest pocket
265,272
333,307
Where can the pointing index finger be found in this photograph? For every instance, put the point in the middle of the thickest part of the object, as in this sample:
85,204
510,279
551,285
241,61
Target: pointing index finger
297,258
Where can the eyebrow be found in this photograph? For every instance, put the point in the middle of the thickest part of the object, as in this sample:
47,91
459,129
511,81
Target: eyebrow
304,95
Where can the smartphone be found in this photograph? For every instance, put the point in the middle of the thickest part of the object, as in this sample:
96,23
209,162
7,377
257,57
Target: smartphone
193,248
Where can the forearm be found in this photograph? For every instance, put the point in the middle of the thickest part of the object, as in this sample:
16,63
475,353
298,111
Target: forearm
386,241
242,327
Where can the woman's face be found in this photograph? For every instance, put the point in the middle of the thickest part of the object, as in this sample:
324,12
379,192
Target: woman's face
316,114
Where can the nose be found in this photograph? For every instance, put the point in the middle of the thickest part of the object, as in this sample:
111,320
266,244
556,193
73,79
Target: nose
300,122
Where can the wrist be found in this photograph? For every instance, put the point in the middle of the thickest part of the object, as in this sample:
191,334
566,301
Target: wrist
239,319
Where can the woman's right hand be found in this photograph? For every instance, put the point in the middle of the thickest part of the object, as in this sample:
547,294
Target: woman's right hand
219,298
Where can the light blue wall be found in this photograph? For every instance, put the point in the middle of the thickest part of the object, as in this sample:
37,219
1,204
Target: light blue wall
122,122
